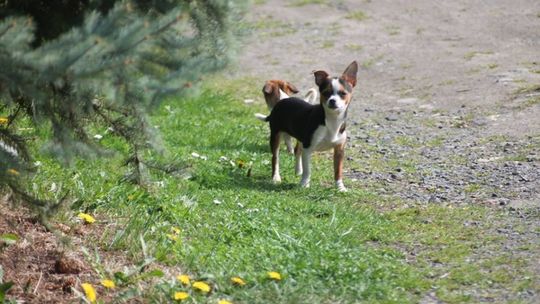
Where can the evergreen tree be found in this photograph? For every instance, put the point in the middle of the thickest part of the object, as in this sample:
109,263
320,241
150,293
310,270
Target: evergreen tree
67,63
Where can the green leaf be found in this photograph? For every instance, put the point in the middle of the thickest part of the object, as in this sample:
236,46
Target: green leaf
155,273
121,277
3,290
9,238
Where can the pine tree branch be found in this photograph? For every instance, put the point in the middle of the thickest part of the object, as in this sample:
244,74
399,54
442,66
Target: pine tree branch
9,27
12,117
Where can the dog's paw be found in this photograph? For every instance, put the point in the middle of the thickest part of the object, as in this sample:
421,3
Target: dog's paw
340,186
276,179
304,184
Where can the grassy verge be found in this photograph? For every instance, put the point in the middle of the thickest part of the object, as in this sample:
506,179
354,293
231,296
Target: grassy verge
329,247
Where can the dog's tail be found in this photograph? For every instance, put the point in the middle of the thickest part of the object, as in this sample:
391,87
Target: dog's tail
261,117
311,96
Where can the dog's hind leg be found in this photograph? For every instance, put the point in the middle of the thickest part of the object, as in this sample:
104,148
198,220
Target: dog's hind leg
274,147
288,142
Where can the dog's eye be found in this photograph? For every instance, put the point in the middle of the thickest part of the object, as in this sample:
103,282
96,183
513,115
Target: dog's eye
342,94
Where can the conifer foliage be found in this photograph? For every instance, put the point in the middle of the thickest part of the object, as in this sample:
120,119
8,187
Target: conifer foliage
71,63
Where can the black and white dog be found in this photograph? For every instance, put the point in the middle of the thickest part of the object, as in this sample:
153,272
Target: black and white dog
316,127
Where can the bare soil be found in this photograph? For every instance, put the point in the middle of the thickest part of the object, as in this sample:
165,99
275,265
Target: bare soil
47,267
41,270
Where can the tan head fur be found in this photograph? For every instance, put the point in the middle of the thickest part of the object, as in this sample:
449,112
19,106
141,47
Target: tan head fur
271,91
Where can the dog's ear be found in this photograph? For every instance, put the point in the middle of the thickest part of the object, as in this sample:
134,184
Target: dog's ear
291,87
320,77
268,88
350,73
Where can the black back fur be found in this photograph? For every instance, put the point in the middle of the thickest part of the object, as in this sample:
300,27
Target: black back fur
297,118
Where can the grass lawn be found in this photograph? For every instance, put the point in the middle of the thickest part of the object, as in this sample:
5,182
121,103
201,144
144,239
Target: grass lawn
329,247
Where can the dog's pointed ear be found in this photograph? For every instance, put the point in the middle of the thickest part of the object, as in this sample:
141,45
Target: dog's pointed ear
268,88
291,87
350,73
320,77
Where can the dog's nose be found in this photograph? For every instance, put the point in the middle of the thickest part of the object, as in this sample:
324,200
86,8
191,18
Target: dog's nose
331,103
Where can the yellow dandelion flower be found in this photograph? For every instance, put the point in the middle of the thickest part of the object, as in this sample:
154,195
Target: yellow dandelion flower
274,275
87,218
4,120
13,172
201,286
183,278
89,291
238,281
240,163
181,295
224,302
175,230
108,284
172,237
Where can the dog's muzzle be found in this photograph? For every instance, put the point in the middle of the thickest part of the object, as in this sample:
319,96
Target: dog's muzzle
332,104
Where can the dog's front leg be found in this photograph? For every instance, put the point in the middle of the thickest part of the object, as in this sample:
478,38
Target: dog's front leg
339,154
298,158
306,174
274,147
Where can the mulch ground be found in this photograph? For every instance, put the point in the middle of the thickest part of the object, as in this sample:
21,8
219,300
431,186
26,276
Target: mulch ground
42,269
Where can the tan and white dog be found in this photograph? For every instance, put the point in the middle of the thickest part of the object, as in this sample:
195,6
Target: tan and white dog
275,90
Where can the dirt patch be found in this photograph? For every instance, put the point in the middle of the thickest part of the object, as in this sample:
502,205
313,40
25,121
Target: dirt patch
41,270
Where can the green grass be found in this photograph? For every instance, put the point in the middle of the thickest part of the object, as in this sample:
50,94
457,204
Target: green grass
327,44
329,247
393,30
357,15
530,89
354,47
306,2
470,55
271,27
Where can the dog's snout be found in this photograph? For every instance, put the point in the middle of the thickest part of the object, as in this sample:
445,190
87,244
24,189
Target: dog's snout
332,103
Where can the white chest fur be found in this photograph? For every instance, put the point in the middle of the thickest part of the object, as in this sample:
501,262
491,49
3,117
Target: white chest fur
325,138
